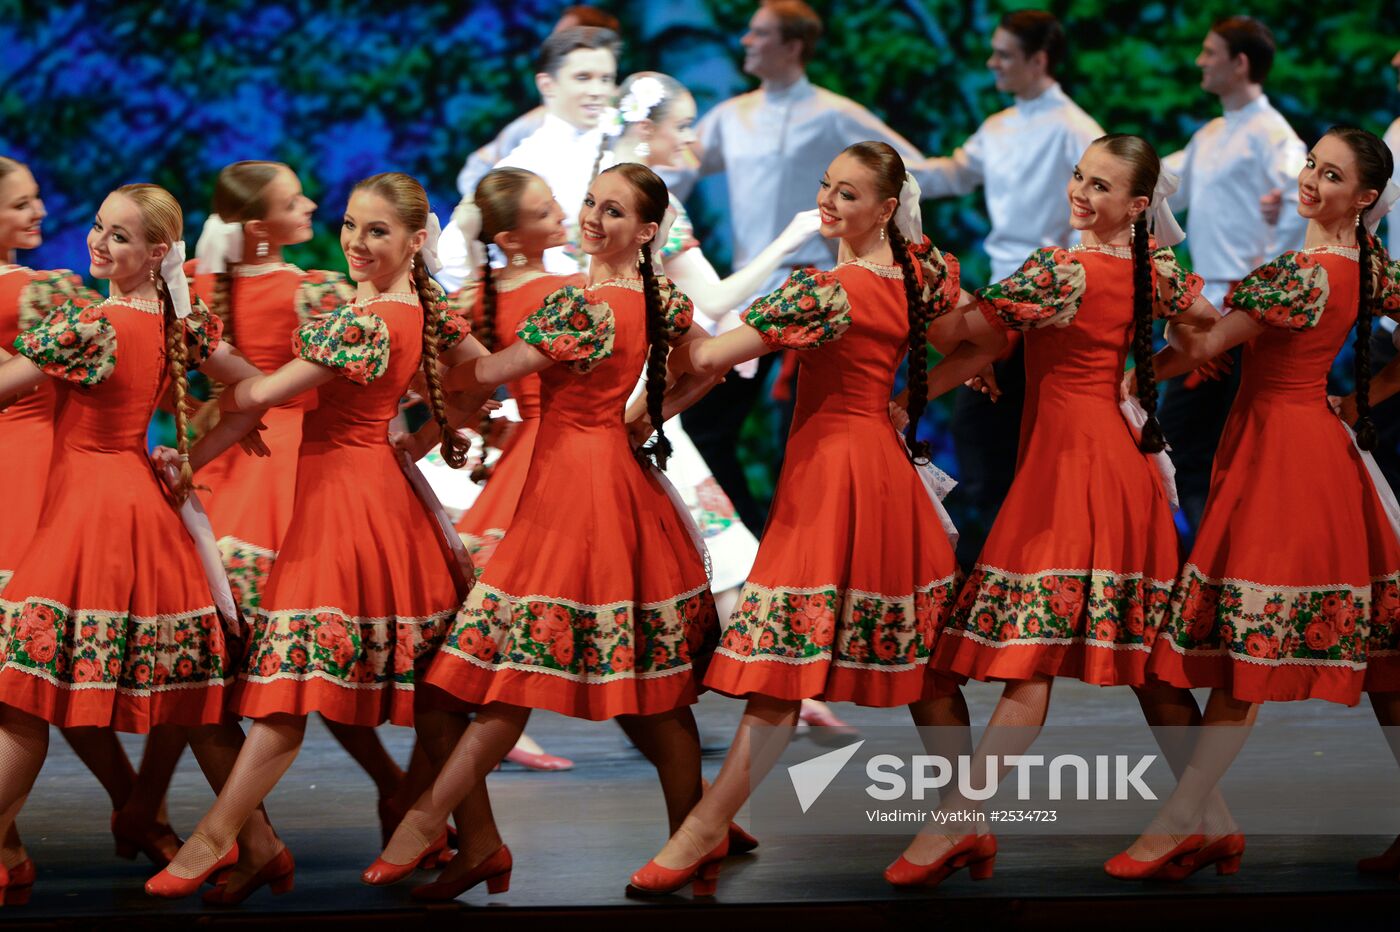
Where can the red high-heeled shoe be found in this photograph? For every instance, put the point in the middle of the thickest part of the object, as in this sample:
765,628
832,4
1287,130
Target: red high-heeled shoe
1224,852
129,842
382,873
740,841
978,853
167,885
278,874
1128,868
494,869
18,883
703,875
1387,863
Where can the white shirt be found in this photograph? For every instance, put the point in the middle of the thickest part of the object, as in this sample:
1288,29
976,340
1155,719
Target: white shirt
774,146
484,159
1392,139
1229,164
563,156
1022,157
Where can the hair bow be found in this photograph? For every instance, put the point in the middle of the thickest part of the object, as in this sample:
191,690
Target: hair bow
219,244
172,270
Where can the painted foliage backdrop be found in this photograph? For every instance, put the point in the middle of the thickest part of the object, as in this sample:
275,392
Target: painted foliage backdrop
97,94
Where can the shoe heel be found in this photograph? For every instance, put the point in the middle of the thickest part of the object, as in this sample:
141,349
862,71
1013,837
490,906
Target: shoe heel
707,880
126,850
982,870
1226,866
282,884
498,884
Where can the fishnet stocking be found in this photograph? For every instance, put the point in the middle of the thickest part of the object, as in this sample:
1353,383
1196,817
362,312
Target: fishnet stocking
1173,714
364,747
24,743
671,742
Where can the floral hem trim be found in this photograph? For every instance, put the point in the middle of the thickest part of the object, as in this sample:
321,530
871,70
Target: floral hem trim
328,643
5,576
137,691
1258,623
587,644
321,676
1099,608
844,627
247,566
481,547
111,649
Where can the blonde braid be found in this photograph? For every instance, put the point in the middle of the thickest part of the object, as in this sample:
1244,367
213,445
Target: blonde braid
179,376
434,310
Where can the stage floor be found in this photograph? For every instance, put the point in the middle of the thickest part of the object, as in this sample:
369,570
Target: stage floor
577,836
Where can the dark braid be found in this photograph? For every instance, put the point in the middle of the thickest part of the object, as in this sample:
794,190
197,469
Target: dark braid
434,309
659,449
485,332
1143,298
223,300
916,398
1365,312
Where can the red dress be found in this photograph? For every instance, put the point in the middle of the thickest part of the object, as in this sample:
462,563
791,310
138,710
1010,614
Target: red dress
596,604
854,570
1292,590
26,427
362,589
485,523
108,617
250,498
1076,573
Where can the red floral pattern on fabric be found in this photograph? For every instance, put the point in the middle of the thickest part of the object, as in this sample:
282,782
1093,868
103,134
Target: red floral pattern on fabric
1099,608
573,326
677,310
321,293
1044,292
246,567
350,340
48,291
940,276
1257,623
809,309
1290,292
589,644
326,643
1176,288
75,343
847,627
96,649
203,330
451,323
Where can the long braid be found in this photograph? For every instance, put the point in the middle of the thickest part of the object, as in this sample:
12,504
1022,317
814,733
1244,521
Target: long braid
659,450
223,300
917,396
485,330
434,308
1365,312
179,377
1143,298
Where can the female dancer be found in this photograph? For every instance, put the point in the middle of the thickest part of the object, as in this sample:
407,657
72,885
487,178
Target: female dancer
258,209
595,605
1263,610
26,441
363,588
854,572
1075,574
132,626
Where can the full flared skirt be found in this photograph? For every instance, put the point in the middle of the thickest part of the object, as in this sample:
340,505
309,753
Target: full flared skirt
26,442
484,525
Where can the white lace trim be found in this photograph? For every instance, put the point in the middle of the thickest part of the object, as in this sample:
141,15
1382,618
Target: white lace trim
7,269
357,619
880,269
845,594
250,271
144,305
1352,665
984,641
594,680
1336,249
237,542
506,286
1271,587
8,606
626,284
144,691
323,675
394,297
584,606
1115,574
1108,249
824,657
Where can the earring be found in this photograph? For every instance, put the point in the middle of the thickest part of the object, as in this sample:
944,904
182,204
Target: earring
261,250
882,234
518,259
153,274
1132,230
643,150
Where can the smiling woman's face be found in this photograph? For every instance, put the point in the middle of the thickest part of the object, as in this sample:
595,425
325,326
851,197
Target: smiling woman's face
848,198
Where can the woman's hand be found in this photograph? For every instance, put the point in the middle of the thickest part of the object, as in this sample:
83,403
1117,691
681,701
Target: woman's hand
638,432
899,416
416,444
1344,406
986,383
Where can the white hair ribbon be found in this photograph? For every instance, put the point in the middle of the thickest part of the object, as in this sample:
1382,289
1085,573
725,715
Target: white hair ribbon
663,233
430,245
1382,206
172,270
1161,222
908,219
467,219
219,244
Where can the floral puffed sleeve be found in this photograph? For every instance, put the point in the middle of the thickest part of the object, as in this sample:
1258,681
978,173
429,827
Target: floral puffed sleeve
1176,288
809,309
1044,292
1387,290
203,329
351,340
940,278
573,327
677,310
1289,292
449,323
322,292
49,290
73,343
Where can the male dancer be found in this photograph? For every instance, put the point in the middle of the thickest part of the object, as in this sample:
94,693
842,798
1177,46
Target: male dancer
1021,157
1240,190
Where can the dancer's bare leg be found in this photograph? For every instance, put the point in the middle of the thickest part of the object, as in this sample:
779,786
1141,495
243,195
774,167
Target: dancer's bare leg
102,753
486,741
750,757
477,834
671,742
1172,713
24,743
271,746
362,743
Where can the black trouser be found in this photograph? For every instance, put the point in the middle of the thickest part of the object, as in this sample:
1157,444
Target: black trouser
1386,415
713,424
986,434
